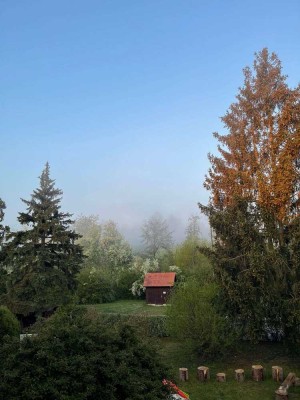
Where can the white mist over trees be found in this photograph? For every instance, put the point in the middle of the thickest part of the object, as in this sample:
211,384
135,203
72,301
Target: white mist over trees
156,235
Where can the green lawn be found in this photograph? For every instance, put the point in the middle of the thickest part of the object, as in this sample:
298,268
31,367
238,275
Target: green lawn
129,307
178,355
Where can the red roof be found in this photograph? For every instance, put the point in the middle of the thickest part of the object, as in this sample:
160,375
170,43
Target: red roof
159,279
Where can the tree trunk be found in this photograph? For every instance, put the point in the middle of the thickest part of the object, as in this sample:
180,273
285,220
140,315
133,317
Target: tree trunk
203,374
257,373
221,377
277,374
183,374
281,394
240,375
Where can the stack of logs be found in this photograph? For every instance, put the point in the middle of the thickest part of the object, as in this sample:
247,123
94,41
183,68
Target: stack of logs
257,373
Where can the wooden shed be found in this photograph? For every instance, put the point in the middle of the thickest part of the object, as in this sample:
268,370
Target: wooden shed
158,286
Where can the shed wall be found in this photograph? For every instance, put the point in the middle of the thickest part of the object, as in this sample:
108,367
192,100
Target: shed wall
157,295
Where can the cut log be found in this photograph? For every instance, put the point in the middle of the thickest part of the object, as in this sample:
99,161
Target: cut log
240,375
289,380
203,374
183,374
257,373
277,374
221,377
281,394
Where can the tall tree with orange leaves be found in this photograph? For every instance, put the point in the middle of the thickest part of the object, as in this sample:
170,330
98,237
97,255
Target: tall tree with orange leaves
260,156
254,207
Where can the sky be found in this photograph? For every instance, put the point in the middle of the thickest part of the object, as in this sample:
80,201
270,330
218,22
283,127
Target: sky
121,97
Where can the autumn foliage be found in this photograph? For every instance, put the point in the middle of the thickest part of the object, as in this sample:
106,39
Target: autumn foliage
254,208
260,156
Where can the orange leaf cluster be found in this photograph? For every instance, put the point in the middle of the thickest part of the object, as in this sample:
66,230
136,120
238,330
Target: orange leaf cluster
260,156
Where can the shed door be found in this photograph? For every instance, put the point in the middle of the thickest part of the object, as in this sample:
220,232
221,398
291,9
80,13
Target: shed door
157,295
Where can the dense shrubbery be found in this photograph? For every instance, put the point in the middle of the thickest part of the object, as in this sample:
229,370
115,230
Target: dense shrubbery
194,317
9,325
146,325
95,286
103,286
76,356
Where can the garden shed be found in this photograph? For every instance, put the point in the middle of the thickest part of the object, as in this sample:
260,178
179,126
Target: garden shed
158,286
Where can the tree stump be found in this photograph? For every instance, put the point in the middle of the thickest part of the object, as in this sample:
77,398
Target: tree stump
240,375
221,377
277,374
257,373
183,374
281,394
203,374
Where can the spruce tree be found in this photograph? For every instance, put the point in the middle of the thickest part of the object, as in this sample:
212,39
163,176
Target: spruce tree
43,257
3,229
3,233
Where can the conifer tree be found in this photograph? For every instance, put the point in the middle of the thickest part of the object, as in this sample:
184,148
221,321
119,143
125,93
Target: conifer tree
254,207
3,229
43,257
259,157
3,232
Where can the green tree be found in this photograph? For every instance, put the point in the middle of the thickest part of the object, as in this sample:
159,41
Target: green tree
9,325
193,230
95,286
194,318
105,276
4,230
43,257
89,229
187,255
76,356
255,279
103,245
115,251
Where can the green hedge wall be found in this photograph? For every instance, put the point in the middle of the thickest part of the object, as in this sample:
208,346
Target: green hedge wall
152,326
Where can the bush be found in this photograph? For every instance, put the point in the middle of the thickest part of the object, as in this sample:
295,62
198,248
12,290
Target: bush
157,326
146,325
193,317
124,281
76,356
9,325
95,286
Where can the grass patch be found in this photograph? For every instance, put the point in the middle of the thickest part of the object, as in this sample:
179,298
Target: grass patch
178,355
129,307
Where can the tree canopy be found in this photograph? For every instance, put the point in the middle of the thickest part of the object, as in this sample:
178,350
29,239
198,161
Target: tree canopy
254,204
43,257
156,235
76,355
259,157
3,233
103,244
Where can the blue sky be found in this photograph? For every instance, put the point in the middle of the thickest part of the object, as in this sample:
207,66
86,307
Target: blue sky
122,96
